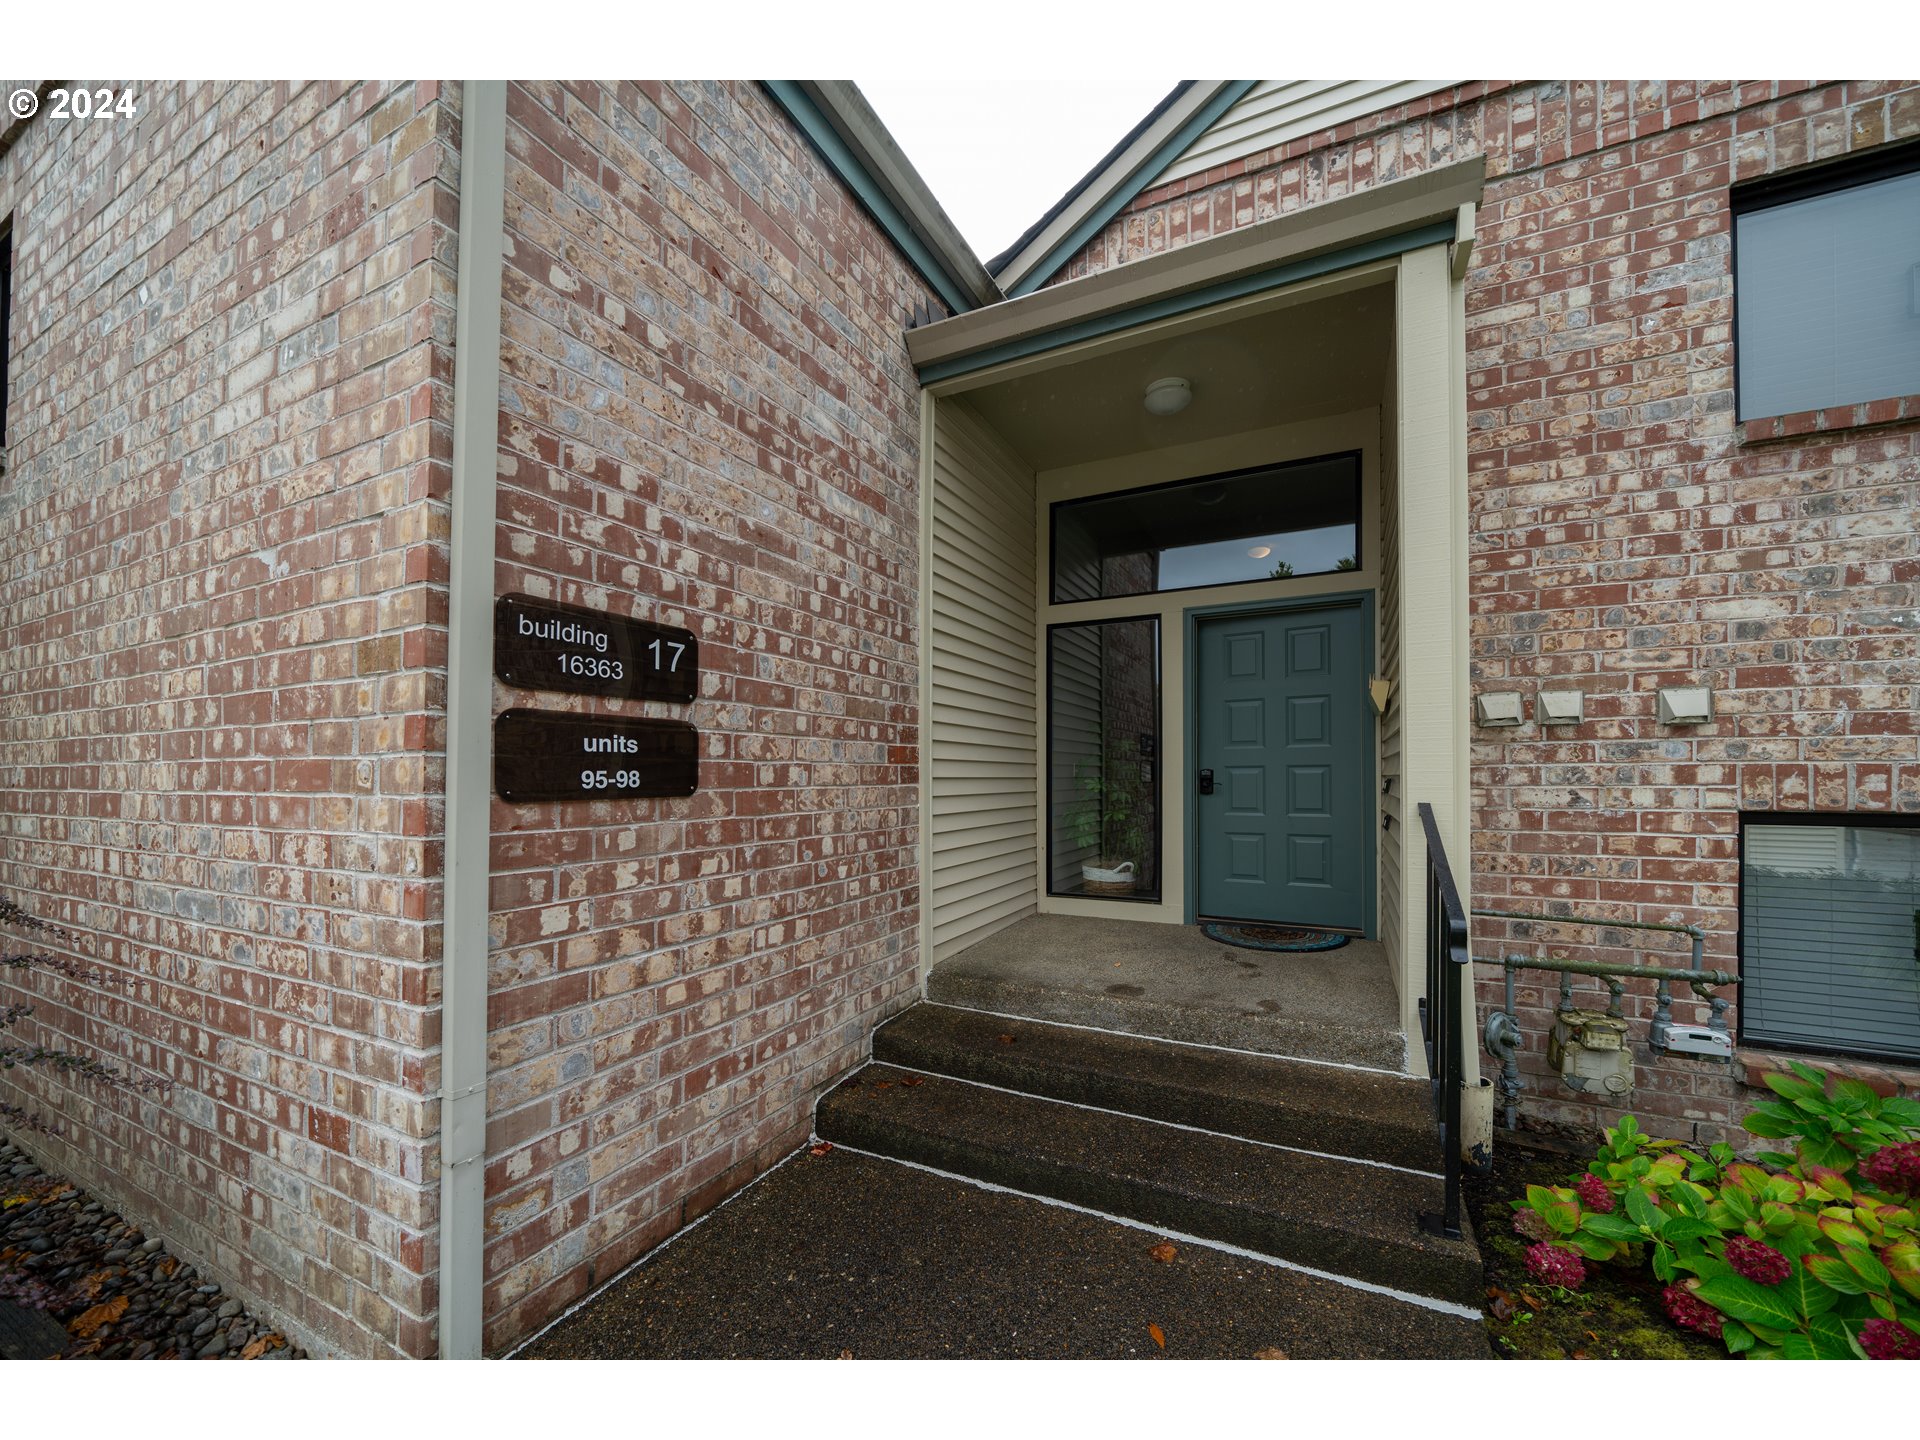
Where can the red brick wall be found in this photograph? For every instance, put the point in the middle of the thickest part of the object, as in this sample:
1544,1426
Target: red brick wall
708,419
1626,532
221,582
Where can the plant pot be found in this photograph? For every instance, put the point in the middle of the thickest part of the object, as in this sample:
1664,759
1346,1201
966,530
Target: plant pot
1099,880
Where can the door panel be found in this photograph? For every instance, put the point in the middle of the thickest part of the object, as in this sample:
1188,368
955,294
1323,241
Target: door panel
1282,724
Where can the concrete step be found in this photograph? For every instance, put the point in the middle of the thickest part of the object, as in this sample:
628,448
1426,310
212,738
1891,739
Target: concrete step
1171,981
1350,1219
1336,1111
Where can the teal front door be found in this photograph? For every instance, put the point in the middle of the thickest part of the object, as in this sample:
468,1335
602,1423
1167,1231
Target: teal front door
1282,749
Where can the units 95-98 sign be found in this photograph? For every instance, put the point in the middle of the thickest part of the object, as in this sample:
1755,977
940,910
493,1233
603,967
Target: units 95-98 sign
541,645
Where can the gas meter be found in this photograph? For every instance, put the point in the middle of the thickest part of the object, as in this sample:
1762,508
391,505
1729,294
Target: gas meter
1589,1048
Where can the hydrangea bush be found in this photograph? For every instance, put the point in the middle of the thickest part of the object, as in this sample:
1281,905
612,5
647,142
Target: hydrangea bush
1808,1254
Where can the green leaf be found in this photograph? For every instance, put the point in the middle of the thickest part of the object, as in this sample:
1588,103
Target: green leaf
1799,1347
1787,1088
1829,1338
1664,1261
1806,1293
1593,1249
1813,1077
1770,1122
1562,1216
1820,1148
1901,1111
1690,1201
1738,1338
1835,1276
1539,1197
1610,1227
1883,1307
1642,1211
1873,1275
1842,1232
1858,1094
1686,1228
1739,1297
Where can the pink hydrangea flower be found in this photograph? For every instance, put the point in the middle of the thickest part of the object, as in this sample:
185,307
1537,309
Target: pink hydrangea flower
1531,1225
1555,1265
1594,1194
1690,1312
1894,1168
1758,1261
1889,1340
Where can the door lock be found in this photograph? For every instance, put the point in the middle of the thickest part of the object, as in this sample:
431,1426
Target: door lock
1206,782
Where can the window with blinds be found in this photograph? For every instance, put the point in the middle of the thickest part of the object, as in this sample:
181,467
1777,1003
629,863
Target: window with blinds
1827,284
1830,938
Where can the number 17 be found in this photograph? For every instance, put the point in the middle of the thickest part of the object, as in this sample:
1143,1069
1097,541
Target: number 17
673,645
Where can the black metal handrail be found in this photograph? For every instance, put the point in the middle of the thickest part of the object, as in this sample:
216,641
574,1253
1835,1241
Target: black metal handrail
1442,1012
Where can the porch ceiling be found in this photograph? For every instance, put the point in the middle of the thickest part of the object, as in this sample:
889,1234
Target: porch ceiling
1321,357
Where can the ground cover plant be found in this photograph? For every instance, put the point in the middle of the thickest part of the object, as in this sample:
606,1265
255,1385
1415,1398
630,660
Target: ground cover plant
1811,1252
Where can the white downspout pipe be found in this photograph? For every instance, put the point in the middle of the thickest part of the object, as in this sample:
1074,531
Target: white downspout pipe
469,833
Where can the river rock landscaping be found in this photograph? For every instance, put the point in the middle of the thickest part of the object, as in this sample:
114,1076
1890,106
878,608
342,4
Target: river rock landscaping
116,1292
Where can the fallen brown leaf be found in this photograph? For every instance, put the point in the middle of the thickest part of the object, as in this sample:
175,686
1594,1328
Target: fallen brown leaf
102,1314
913,1079
1164,1251
167,1266
1501,1309
1272,1352
822,1148
883,1084
254,1348
1006,1039
1159,1336
90,1287
846,1354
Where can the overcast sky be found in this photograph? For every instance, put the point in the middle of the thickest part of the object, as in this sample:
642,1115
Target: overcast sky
998,152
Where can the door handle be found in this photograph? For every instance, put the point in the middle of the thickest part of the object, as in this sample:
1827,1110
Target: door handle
1206,782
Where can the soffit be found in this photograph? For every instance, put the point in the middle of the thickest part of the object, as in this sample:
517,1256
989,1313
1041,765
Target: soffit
1320,357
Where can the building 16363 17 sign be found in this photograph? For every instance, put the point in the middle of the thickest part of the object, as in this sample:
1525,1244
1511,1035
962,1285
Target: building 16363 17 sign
543,645
546,755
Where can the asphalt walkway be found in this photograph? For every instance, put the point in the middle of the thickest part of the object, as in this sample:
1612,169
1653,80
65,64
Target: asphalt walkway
842,1255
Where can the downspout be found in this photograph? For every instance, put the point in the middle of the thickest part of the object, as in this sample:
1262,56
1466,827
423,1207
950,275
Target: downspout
469,833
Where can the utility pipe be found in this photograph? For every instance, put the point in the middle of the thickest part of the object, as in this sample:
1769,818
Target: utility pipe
469,832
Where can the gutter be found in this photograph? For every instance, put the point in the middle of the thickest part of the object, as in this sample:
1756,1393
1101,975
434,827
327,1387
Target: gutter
469,833
1425,208
1140,158
843,127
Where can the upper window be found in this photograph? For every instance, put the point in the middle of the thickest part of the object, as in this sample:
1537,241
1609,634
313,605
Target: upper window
1271,523
1830,937
1827,286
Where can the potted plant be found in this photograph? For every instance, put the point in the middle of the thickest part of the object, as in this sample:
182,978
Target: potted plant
1110,820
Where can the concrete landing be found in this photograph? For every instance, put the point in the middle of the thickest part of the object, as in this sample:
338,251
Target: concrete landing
1171,982
840,1254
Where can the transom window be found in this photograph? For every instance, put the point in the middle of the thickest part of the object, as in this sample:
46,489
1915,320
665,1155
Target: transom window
1270,523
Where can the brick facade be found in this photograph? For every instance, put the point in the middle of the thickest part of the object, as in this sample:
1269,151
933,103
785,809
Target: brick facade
709,420
220,670
223,551
1627,533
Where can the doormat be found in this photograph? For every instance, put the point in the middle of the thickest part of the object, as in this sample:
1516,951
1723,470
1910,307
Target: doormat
1272,937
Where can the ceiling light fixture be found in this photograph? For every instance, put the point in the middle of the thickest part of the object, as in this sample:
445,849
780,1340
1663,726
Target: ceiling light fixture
1168,396
1260,552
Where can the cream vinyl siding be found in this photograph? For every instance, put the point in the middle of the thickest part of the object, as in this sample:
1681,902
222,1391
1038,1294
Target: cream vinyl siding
1276,111
983,712
1387,610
